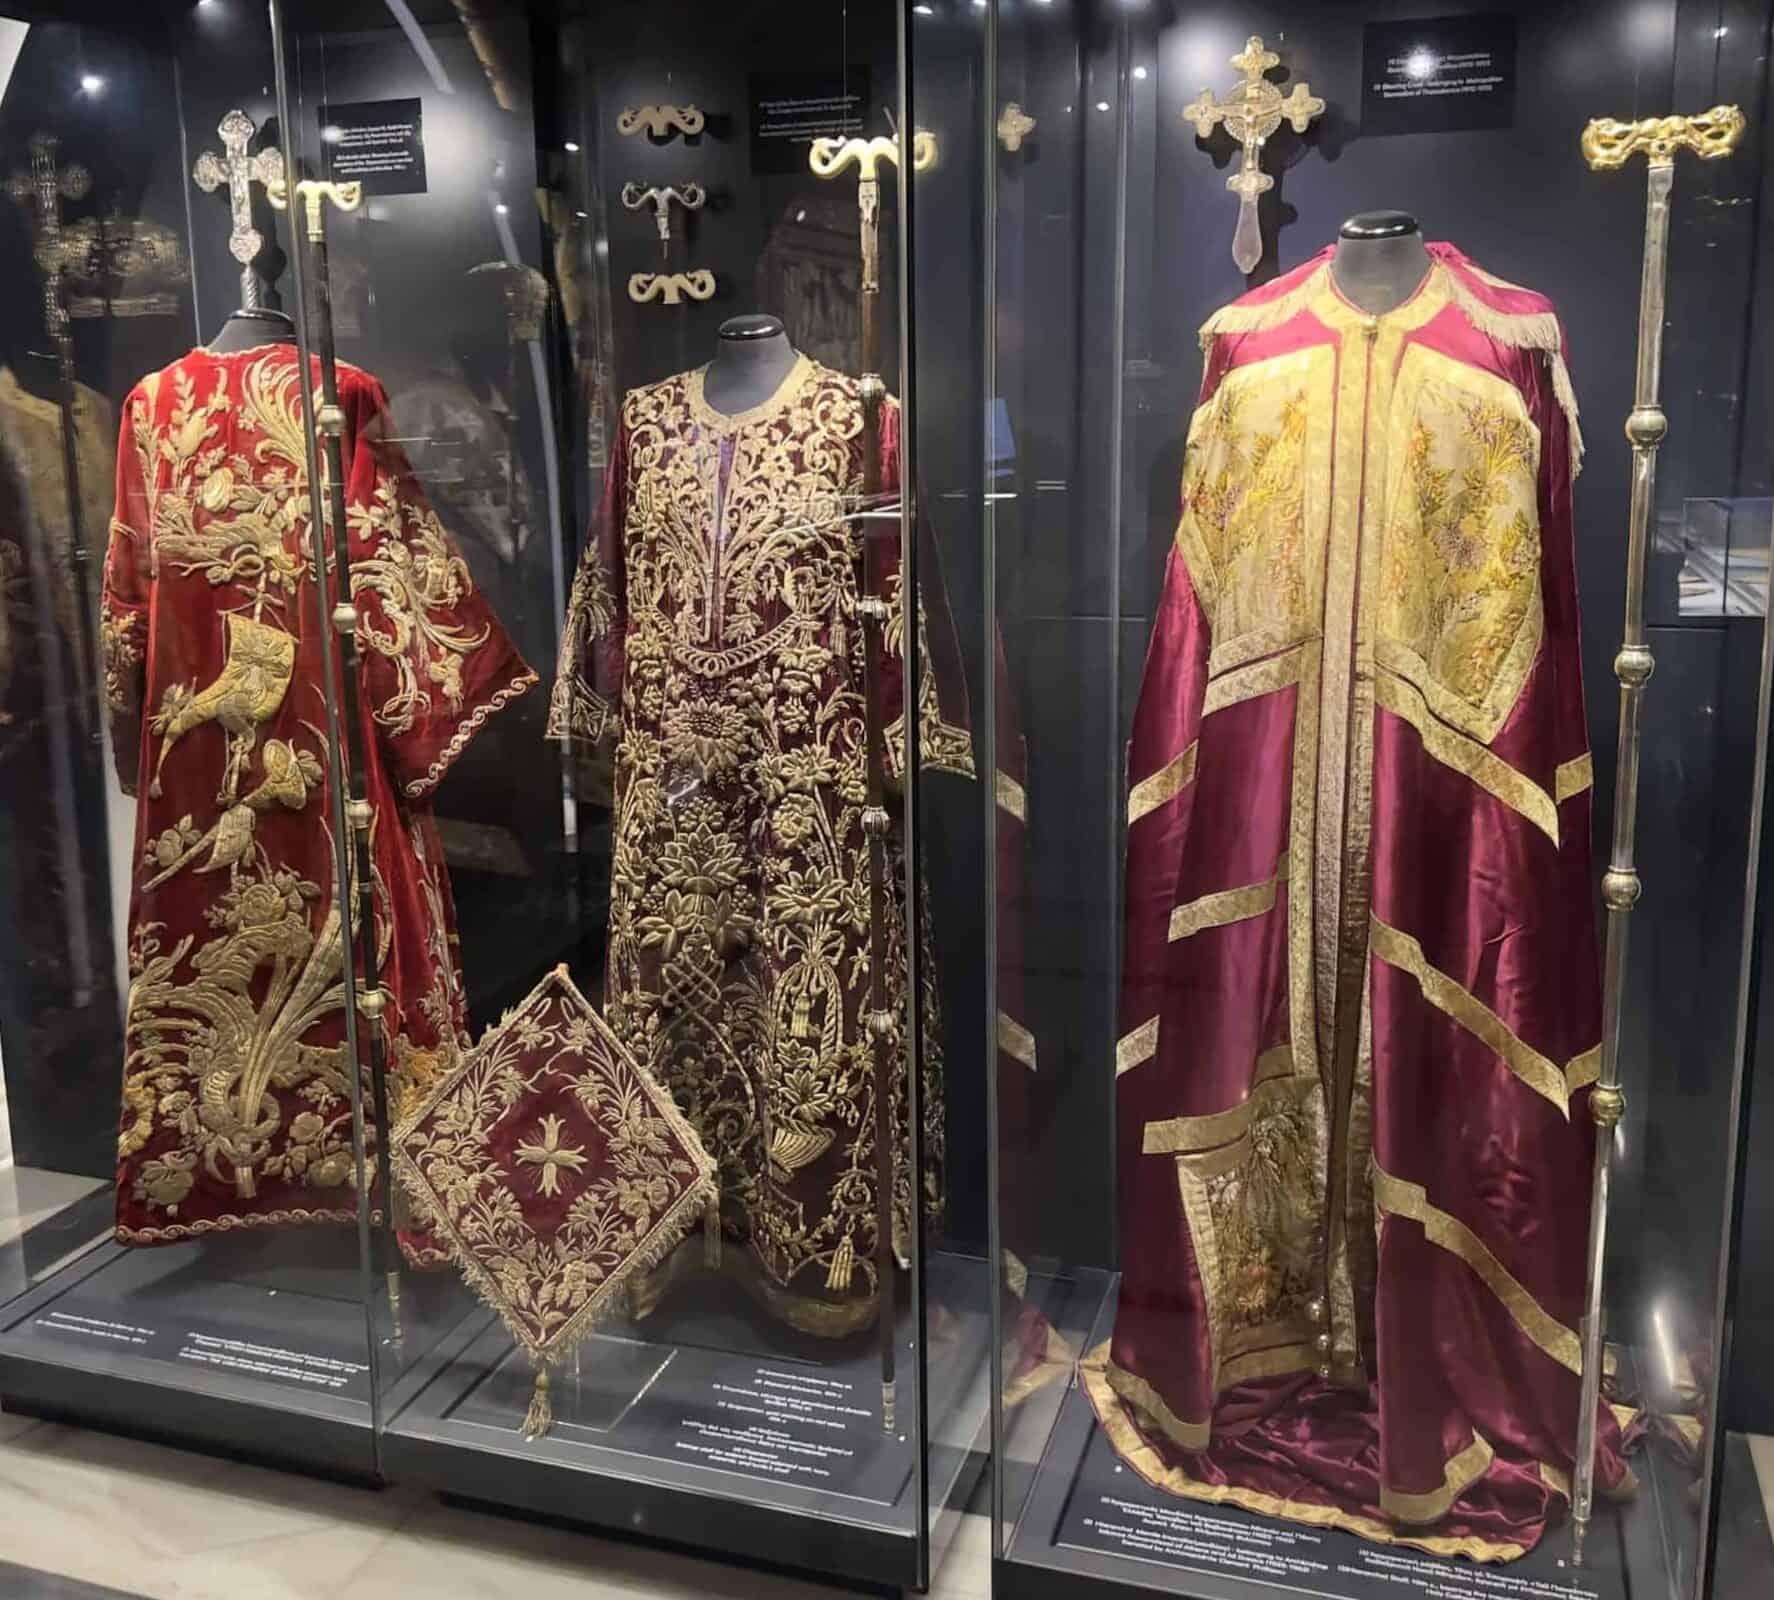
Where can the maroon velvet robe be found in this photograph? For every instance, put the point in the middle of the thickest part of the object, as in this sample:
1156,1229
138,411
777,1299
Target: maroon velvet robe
1361,1001
713,639
236,1083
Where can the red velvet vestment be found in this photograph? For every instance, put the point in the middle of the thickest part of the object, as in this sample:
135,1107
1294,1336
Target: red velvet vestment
236,1088
1361,1001
713,638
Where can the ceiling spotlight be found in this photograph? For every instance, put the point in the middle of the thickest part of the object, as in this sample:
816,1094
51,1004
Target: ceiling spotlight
92,83
925,11
1140,73
571,148
1102,105
501,208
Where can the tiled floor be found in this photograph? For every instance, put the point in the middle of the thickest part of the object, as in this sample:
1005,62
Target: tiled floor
176,1526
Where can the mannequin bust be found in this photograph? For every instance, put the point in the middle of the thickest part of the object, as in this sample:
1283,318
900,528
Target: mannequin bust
246,328
1381,260
750,365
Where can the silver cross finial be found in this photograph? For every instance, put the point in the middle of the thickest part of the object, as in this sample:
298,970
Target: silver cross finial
240,171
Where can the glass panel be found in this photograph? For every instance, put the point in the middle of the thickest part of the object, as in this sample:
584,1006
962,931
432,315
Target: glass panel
619,323
970,1037
164,766
1321,1078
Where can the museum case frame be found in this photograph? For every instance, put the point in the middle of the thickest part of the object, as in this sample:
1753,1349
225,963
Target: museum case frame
1119,131
510,215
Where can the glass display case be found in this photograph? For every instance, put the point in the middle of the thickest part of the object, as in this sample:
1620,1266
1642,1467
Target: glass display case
175,1028
544,638
1339,809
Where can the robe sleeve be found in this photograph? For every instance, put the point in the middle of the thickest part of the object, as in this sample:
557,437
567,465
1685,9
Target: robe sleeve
1161,762
437,663
587,701
123,601
944,743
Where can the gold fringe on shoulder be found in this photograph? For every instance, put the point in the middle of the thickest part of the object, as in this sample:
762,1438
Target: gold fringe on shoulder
1527,330
1258,316
1524,330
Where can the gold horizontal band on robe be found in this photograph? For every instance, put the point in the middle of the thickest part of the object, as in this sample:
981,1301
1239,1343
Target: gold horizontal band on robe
1400,1198
1146,1401
1432,1505
1573,777
1012,797
1541,1074
1015,1040
1227,906
1254,679
1164,785
1177,1136
1136,1048
1466,755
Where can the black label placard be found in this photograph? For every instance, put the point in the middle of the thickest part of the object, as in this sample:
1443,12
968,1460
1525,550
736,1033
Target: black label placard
378,143
789,110
1438,75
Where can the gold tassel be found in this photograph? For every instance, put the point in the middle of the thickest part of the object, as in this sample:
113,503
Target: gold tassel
802,1025
1567,399
540,1417
711,1234
838,638
843,1264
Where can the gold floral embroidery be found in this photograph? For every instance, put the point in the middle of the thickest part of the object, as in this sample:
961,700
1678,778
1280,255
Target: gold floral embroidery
413,568
1251,1204
738,936
213,1026
120,647
621,1167
1459,612
1256,492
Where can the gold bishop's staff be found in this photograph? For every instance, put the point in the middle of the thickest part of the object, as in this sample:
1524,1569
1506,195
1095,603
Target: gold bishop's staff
1608,144
332,554
828,158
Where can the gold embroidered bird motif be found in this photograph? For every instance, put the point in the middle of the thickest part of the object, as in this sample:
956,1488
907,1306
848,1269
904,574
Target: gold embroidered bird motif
289,776
254,678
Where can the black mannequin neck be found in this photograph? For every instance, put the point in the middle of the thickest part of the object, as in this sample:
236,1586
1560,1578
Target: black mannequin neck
1381,260
753,359
245,329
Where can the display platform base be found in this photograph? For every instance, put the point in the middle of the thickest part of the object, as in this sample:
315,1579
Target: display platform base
251,1346
1085,1526
709,1426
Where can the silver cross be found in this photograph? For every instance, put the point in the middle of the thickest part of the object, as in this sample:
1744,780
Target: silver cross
240,171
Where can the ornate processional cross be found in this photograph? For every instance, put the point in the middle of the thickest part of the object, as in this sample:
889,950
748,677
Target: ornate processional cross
1252,111
240,171
47,185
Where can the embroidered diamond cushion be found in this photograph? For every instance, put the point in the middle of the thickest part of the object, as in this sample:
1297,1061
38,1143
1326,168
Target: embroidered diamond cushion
553,1168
